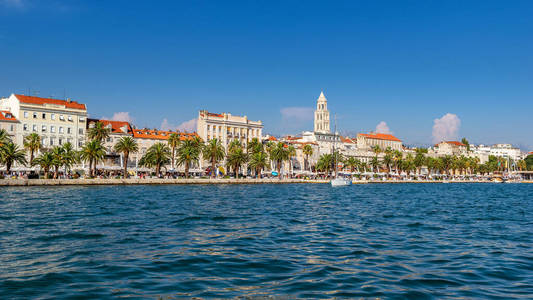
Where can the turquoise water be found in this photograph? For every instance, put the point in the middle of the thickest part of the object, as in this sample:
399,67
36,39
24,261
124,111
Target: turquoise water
307,240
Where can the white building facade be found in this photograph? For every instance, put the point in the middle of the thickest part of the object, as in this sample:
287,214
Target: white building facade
56,121
227,128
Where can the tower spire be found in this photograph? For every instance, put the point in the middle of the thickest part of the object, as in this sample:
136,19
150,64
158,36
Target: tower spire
322,114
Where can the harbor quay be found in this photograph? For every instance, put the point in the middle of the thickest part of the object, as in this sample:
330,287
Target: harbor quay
194,181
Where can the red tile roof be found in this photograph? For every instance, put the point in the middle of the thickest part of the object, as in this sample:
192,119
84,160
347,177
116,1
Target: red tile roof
347,140
41,101
380,136
160,134
213,115
116,126
271,138
7,116
452,143
292,138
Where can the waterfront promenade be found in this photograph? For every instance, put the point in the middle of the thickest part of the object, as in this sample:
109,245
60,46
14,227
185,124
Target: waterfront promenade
155,181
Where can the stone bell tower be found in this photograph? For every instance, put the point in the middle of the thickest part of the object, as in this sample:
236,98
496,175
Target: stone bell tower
322,115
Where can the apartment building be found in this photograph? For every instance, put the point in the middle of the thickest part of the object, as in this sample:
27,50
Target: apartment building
56,121
227,128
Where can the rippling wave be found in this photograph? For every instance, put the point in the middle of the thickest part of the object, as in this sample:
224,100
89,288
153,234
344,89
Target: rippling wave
298,241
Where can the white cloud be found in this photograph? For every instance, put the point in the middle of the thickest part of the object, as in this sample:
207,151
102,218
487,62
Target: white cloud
297,113
187,126
382,127
122,116
446,128
166,126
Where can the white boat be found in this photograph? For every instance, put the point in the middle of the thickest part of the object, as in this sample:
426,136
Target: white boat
339,181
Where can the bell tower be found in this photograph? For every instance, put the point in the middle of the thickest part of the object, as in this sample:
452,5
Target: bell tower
322,115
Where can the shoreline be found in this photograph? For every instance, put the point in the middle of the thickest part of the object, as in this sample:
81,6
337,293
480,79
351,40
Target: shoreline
157,181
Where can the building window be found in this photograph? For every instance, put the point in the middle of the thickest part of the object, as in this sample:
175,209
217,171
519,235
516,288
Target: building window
43,141
51,141
52,129
60,141
82,119
61,117
108,139
34,127
80,144
81,131
70,118
53,116
69,130
60,130
44,116
43,129
11,128
25,127
25,114
35,115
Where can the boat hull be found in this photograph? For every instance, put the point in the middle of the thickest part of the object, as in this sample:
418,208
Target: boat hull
341,182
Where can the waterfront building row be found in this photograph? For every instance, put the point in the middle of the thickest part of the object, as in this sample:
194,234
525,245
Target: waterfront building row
61,121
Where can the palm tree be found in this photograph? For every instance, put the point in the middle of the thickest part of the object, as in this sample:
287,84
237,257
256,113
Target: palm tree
363,166
93,152
156,156
375,164
397,159
127,145
173,143
429,162
236,158
278,154
4,137
352,163
188,152
32,143
308,151
234,144
419,161
259,161
45,161
447,163
214,152
10,153
292,153
388,159
58,159
254,146
409,164
99,132
70,156
376,149
325,163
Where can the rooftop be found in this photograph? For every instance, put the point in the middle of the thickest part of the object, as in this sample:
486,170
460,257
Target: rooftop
380,136
160,134
41,101
7,116
455,143
116,126
347,140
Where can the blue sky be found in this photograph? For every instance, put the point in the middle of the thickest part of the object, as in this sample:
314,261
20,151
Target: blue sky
405,63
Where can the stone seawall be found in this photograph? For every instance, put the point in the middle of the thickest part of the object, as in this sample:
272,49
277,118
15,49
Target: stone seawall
38,182
50,182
